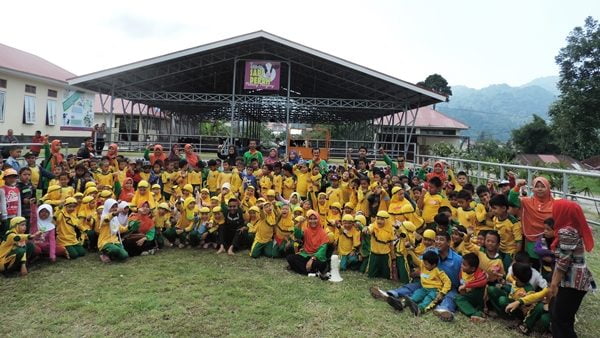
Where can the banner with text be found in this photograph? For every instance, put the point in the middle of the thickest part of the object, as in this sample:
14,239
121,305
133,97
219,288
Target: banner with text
262,74
78,110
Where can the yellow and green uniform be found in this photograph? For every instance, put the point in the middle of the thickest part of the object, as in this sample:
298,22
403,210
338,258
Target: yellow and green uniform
263,239
108,242
195,178
348,244
106,179
212,180
468,219
236,182
335,195
289,186
14,250
266,183
379,258
431,204
68,233
278,184
224,177
491,265
302,182
35,176
510,233
284,230
433,282
169,179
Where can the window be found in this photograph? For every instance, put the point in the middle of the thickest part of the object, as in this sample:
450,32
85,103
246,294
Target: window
51,113
2,83
52,93
29,110
2,99
29,89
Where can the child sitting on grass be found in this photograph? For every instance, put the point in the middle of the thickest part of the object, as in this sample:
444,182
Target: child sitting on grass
435,284
473,281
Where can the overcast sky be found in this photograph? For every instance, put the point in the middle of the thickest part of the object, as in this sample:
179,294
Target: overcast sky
473,43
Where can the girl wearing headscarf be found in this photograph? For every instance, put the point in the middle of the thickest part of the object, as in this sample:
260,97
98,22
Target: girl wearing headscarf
284,230
534,211
263,240
112,153
272,158
190,156
175,154
109,232
142,232
313,255
88,216
157,155
69,229
143,194
52,156
571,279
127,192
42,220
15,249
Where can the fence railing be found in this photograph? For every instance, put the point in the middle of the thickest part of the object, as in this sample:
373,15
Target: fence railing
560,178
21,160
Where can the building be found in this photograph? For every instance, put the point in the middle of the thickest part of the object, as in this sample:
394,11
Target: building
542,160
430,127
35,95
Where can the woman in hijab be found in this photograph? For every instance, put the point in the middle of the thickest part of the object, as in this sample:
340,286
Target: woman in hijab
313,256
293,158
140,239
272,158
157,154
230,157
534,211
175,154
109,232
571,279
112,153
52,156
190,156
127,192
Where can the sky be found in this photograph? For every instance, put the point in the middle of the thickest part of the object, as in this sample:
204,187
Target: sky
472,43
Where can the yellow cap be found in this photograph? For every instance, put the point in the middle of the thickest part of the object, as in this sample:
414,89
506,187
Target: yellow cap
349,205
271,192
361,219
250,187
429,234
143,184
409,226
348,217
54,187
205,190
299,219
70,200
383,214
205,210
164,206
395,190
254,208
216,209
106,193
90,190
90,184
100,208
336,205
261,200
214,198
78,195
188,187
297,208
87,199
156,186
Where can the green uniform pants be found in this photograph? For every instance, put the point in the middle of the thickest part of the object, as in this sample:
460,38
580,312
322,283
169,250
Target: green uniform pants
75,251
115,252
261,249
349,262
471,303
378,266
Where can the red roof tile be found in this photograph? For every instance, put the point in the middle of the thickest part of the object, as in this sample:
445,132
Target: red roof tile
15,59
427,117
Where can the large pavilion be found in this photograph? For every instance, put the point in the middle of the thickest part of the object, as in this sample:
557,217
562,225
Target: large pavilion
207,83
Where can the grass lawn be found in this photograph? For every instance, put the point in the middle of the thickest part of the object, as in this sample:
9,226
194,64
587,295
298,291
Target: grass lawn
193,292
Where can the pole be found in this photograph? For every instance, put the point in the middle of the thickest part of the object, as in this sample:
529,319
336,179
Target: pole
112,114
287,109
235,61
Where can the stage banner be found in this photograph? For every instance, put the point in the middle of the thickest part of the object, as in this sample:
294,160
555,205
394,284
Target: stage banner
262,75
78,110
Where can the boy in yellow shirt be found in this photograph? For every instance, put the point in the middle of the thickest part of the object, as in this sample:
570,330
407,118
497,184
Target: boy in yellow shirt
508,227
348,244
382,236
431,201
303,179
212,183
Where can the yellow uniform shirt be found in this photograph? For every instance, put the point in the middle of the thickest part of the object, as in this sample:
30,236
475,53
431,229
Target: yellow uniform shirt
381,237
467,218
105,236
289,186
510,233
224,177
212,181
302,182
348,241
265,228
431,204
195,177
335,195
35,176
105,179
65,228
278,184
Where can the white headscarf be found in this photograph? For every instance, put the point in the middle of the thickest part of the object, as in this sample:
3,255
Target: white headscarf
114,222
45,225
123,216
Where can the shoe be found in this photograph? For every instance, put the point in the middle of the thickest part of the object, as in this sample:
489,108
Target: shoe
477,319
396,303
181,246
414,307
144,253
377,293
444,315
325,276
104,258
152,251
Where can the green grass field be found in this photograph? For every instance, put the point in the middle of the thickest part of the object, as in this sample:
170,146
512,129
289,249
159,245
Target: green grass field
190,292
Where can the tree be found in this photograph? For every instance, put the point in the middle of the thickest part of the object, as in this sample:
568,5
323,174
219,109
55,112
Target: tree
437,83
535,137
575,116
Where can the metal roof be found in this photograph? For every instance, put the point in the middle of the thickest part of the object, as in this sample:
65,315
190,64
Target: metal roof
199,80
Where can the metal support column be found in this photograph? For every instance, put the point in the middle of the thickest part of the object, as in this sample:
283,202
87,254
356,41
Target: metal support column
287,110
232,130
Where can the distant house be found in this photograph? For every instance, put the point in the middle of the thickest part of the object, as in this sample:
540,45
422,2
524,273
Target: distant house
566,162
430,127
592,163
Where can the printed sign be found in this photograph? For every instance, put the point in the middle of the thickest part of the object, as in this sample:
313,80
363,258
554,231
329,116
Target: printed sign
78,110
262,75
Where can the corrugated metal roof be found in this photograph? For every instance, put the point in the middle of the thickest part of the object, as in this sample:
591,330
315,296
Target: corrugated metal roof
18,60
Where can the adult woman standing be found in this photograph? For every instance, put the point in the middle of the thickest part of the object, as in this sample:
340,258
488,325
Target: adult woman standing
571,279
100,134
534,211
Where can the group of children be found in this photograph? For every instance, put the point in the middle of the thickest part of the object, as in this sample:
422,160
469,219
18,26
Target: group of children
382,221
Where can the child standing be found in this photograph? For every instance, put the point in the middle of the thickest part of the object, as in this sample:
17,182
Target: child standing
10,200
382,235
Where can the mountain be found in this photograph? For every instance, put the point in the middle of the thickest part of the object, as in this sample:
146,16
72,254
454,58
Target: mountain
498,109
548,83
